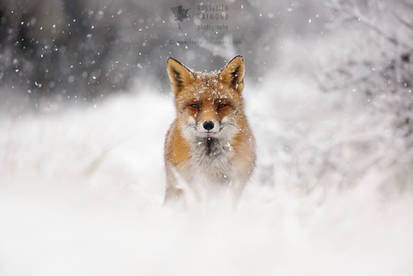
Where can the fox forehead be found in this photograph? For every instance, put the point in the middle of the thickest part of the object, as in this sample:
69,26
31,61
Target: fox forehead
207,88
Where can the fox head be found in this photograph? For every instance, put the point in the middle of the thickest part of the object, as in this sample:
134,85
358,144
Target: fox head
208,104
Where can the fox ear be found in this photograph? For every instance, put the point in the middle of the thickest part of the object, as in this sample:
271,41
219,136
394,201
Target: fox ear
233,73
179,75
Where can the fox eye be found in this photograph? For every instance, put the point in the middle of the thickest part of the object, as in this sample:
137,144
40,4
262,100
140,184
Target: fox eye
196,106
220,106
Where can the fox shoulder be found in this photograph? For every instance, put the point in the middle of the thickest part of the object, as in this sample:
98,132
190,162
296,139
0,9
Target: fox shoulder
177,150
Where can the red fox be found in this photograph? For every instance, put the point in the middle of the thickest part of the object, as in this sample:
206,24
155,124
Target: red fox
209,145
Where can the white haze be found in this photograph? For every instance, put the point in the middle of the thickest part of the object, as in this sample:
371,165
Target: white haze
81,191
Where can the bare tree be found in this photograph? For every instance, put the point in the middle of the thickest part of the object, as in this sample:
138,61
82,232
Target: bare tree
379,65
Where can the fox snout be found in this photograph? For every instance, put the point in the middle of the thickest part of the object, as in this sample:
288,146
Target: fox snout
207,121
208,126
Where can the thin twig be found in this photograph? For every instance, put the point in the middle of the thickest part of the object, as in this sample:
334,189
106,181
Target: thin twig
404,22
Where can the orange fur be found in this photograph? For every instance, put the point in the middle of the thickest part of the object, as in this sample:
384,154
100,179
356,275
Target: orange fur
222,156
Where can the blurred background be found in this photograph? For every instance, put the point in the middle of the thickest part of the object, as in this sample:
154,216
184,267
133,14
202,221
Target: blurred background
85,103
82,51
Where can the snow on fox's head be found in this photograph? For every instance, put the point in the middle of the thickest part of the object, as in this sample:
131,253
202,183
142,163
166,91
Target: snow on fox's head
208,104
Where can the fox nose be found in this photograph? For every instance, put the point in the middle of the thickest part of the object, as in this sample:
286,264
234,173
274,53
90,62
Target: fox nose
208,125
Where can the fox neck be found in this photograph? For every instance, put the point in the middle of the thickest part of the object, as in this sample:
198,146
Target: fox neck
210,147
210,142
210,157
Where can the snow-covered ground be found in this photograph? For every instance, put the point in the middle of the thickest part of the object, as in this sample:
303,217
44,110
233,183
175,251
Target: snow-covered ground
81,192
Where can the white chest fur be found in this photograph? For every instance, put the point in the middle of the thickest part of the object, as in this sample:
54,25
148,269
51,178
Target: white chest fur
211,162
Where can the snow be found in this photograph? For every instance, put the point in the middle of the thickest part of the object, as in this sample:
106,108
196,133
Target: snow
81,191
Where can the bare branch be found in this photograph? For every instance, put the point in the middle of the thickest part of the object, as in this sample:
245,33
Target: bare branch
404,22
